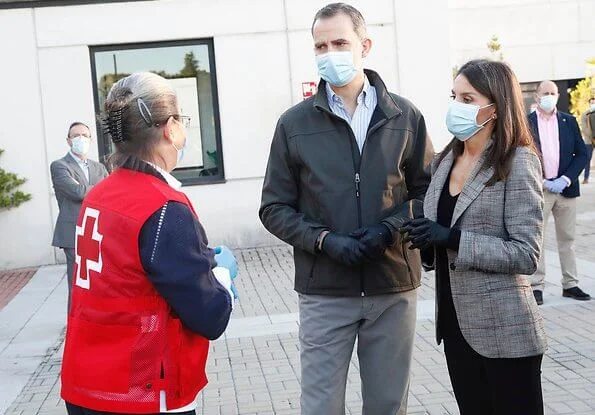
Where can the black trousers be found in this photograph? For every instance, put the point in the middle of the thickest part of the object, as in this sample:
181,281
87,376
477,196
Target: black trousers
493,386
78,410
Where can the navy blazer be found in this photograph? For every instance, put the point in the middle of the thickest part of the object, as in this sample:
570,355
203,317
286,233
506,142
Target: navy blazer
573,153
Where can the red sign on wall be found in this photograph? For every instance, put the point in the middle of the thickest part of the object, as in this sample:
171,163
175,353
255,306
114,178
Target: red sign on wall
308,89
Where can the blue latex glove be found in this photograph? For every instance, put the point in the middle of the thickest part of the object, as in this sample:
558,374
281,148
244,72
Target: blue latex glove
557,185
224,258
234,290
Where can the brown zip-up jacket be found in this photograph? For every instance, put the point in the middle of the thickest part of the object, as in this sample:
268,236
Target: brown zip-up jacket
316,179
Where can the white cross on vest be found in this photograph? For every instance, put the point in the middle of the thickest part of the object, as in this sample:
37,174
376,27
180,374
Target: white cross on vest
87,246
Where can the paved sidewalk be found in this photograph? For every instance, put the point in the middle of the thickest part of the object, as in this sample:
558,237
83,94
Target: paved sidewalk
11,282
254,368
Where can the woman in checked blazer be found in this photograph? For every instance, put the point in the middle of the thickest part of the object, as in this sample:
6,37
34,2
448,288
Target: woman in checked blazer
483,224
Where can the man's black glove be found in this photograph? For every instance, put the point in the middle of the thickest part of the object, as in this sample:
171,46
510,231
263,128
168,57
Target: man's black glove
342,248
423,232
374,240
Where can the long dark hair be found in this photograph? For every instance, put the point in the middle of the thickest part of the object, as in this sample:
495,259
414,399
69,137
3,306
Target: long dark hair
497,82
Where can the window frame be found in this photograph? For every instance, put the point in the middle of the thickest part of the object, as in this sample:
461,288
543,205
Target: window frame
103,145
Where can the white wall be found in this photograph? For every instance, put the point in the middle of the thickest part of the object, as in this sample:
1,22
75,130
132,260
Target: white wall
24,232
263,53
423,61
540,39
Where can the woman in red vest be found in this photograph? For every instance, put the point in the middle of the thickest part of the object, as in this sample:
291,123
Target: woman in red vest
148,293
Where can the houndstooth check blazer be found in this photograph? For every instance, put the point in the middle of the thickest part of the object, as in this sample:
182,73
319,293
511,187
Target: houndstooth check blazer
501,233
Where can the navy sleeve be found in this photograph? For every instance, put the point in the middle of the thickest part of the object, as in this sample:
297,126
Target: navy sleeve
579,156
175,256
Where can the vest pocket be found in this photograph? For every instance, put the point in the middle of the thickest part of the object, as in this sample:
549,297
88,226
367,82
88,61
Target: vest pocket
97,357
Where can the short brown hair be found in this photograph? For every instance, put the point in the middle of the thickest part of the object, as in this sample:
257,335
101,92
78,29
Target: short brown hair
333,9
74,124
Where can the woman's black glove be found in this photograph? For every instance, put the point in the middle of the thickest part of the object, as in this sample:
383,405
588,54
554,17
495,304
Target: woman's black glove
423,232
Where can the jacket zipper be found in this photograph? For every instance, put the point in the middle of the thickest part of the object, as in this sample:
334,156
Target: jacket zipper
356,167
357,186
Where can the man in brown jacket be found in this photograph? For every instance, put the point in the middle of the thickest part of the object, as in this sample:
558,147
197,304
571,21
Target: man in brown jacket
588,133
346,168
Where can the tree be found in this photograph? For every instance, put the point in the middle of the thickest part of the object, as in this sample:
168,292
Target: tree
495,47
190,68
9,197
580,94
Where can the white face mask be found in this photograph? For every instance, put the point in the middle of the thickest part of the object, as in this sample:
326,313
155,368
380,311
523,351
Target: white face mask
592,106
80,145
548,102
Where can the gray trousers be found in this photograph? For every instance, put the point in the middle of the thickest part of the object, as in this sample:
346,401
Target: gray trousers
564,212
384,326
69,252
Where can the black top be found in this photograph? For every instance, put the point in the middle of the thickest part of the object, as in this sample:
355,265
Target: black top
447,318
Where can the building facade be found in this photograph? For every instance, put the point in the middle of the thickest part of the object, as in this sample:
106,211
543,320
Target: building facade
237,66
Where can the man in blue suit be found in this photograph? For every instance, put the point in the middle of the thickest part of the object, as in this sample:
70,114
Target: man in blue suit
558,138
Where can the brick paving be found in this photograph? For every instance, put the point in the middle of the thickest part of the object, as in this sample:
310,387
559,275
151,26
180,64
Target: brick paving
254,368
12,281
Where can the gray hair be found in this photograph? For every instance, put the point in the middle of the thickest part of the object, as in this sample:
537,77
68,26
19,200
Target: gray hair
333,9
135,108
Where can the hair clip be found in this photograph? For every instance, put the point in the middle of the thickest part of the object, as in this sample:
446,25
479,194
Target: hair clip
144,112
113,125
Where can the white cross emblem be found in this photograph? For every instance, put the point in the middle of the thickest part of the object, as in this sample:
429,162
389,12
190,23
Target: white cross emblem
87,246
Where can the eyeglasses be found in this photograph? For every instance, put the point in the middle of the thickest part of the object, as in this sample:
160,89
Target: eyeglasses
184,119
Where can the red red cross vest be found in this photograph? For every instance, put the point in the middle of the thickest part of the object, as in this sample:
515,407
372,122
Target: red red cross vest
123,343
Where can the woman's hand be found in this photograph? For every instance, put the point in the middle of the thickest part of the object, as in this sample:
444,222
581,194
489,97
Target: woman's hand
423,232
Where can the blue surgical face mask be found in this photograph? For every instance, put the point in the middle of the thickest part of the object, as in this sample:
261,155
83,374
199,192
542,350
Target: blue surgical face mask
548,102
461,120
181,151
336,68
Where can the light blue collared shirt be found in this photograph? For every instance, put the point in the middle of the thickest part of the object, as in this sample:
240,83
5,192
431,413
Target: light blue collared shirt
366,104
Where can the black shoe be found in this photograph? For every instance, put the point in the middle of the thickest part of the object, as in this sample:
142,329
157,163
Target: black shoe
538,294
576,293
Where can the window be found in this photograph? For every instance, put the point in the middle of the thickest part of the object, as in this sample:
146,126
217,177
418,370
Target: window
528,89
190,67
